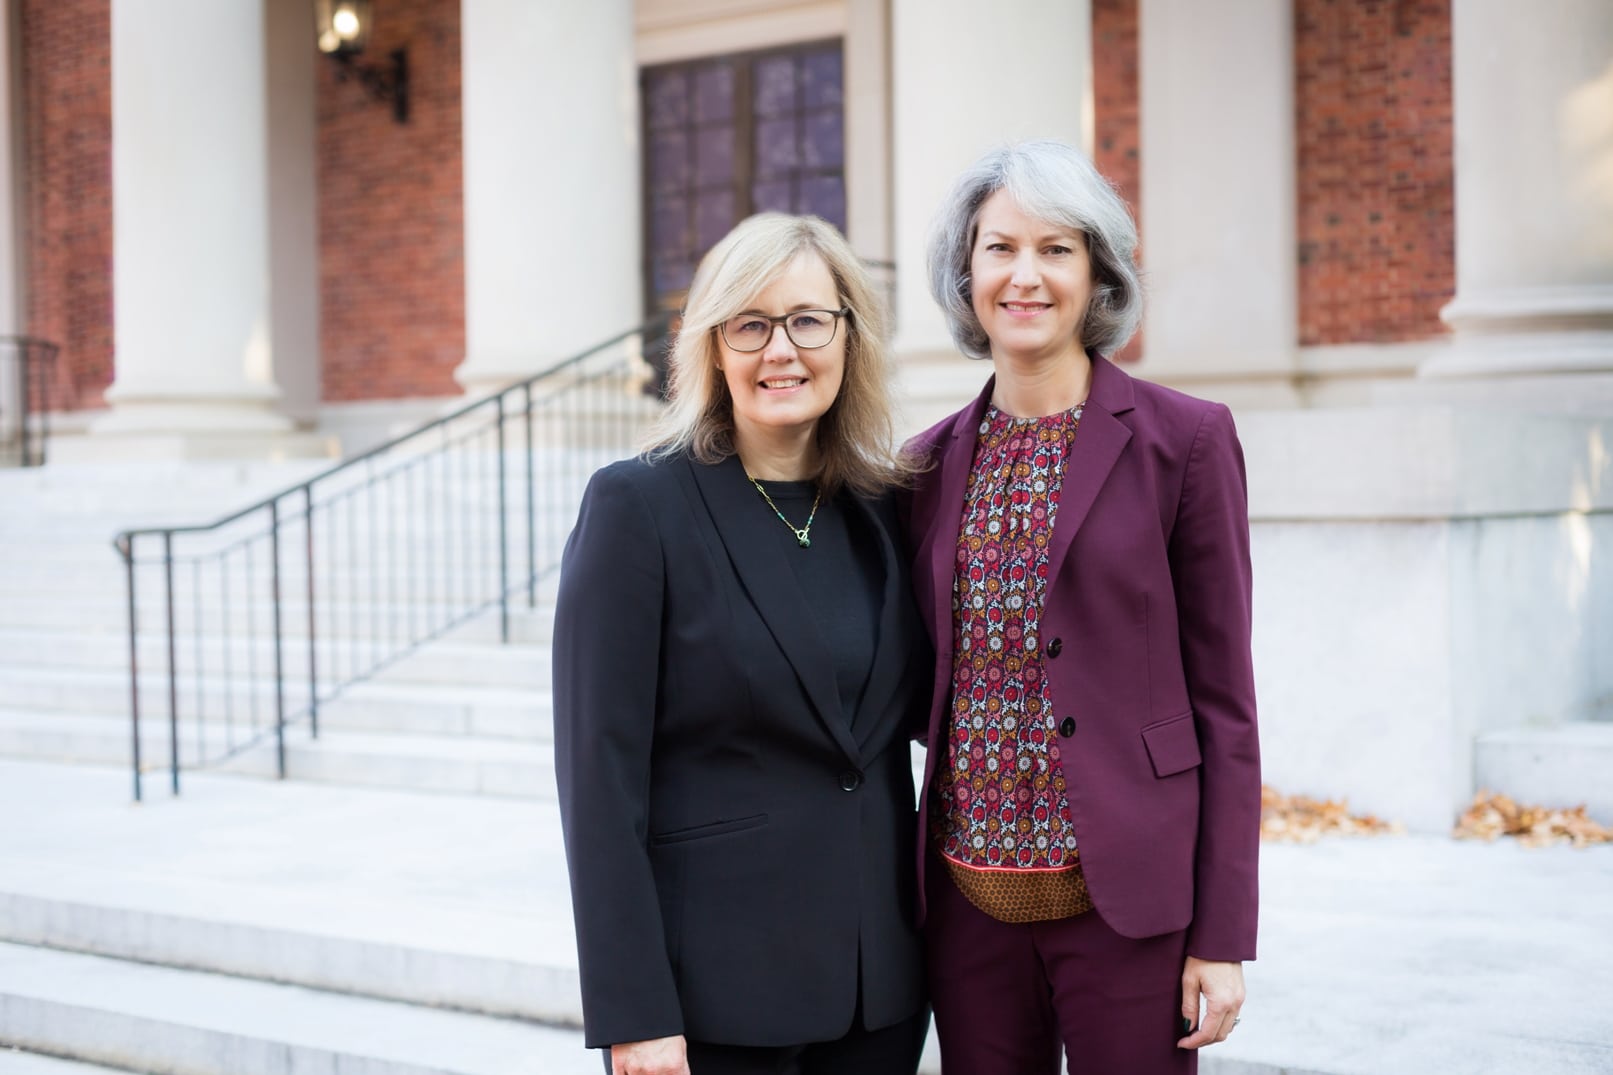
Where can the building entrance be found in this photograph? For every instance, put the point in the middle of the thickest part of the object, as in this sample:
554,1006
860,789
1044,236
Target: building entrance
729,136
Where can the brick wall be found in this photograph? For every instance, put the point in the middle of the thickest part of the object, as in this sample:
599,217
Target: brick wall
391,218
66,106
1375,195
1115,135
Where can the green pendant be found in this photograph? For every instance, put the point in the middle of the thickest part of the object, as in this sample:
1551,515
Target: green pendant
806,542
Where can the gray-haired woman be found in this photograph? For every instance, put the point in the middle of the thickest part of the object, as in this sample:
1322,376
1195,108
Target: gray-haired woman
1081,558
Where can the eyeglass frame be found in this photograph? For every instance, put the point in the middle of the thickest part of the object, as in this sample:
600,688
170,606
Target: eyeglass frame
783,320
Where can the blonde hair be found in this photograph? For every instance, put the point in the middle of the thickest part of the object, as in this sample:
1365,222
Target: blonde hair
856,436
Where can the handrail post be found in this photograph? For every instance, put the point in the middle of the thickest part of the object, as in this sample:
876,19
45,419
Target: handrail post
503,535
279,658
126,545
173,663
531,508
25,393
48,361
313,672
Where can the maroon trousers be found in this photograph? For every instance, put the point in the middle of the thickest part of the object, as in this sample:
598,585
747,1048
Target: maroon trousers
1007,997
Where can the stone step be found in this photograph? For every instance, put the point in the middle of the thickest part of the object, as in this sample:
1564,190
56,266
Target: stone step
377,705
481,661
16,1062
433,763
108,609
461,765
1565,766
187,1022
101,740
96,581
515,962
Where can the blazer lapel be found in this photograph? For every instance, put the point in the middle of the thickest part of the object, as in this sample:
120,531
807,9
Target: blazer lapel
895,624
1096,448
938,558
739,516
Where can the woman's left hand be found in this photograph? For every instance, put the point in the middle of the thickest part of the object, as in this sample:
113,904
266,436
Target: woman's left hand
1221,987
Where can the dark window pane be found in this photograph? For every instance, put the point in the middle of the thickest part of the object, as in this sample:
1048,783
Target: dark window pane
775,85
775,147
713,214
714,155
714,93
669,227
669,160
672,275
772,194
822,141
666,97
825,196
821,80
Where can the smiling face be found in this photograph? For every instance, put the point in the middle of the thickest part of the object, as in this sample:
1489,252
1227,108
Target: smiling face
1031,282
782,390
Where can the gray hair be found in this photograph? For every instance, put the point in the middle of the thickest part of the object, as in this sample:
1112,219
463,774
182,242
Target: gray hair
1057,184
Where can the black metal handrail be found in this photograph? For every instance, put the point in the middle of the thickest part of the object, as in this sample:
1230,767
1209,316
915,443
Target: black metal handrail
26,365
390,549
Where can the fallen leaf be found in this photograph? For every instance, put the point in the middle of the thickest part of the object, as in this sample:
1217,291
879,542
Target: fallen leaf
1495,815
1298,819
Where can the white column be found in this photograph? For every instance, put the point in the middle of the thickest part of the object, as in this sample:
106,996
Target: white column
190,221
11,297
1534,192
1216,108
868,128
965,81
11,278
552,194
294,206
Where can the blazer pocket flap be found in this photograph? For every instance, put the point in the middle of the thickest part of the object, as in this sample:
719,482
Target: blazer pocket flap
1173,745
712,828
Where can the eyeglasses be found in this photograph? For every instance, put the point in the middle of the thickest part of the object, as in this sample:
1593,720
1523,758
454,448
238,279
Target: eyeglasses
807,329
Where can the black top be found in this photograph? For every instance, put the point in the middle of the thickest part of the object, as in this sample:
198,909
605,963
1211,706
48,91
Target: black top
840,577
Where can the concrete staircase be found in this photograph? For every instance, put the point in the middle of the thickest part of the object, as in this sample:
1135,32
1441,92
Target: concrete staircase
266,926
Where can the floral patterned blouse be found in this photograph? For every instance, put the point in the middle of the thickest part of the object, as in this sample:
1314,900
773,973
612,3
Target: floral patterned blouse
1002,803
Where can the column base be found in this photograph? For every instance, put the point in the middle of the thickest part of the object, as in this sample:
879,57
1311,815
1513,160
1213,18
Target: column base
1587,395
1527,354
96,447
485,376
175,427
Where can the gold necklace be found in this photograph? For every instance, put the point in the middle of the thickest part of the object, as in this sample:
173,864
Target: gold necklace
803,535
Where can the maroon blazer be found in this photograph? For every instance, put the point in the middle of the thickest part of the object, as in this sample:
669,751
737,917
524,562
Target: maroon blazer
1145,635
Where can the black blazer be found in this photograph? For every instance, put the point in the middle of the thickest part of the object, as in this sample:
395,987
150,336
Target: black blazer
739,851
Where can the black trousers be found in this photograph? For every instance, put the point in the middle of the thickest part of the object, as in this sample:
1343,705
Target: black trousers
892,1050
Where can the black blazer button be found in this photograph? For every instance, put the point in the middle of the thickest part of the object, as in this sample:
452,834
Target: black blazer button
850,780
1067,727
1055,647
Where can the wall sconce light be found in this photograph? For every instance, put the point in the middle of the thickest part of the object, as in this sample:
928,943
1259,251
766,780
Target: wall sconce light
344,29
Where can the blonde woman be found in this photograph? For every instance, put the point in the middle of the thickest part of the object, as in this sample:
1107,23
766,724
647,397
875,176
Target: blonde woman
737,666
